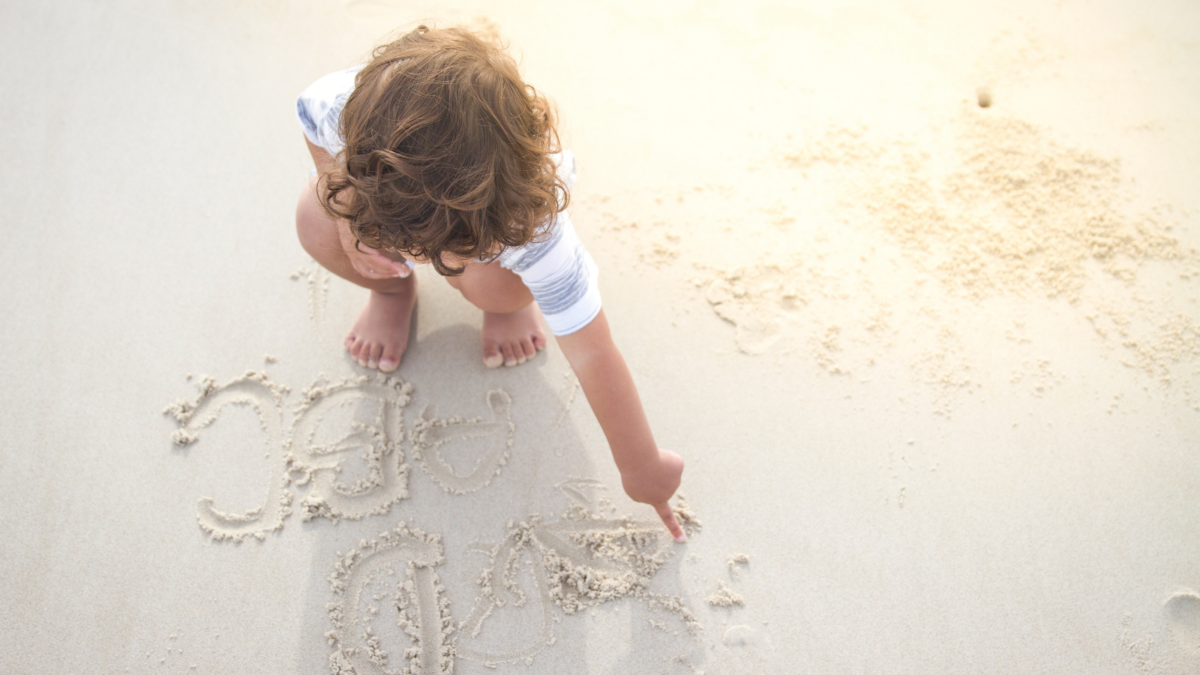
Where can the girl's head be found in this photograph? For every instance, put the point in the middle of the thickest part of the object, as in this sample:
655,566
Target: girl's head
447,151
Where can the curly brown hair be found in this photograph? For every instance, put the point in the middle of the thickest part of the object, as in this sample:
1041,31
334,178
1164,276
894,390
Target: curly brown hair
447,151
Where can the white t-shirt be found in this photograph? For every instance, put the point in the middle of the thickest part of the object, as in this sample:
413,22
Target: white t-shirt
558,271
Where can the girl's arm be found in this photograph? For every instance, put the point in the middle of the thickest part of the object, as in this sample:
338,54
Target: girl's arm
649,474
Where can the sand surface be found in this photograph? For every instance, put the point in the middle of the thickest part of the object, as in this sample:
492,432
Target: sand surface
913,287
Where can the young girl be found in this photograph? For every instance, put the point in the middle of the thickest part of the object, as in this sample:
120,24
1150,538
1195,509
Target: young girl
436,152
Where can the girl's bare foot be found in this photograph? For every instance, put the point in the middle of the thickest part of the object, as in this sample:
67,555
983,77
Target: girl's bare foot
379,336
512,338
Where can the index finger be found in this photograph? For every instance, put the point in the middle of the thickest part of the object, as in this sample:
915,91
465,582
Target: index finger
672,523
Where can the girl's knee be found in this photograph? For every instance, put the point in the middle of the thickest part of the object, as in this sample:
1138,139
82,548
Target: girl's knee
313,226
492,288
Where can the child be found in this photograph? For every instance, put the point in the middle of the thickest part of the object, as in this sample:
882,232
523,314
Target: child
436,152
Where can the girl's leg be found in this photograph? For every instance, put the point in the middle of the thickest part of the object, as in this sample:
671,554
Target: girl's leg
379,336
512,322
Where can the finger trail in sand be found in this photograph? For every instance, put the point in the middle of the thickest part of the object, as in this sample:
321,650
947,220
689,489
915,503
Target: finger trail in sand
395,572
317,281
430,436
344,445
265,397
578,561
372,434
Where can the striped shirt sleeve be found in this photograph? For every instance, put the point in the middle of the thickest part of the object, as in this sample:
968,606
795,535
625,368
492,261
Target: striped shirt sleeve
558,270
319,109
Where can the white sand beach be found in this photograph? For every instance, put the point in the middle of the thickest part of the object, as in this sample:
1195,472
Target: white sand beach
913,288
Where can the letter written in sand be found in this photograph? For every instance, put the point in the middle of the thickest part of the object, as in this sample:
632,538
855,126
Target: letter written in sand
253,389
389,614
351,428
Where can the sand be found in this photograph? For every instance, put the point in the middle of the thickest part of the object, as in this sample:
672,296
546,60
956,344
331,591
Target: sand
913,288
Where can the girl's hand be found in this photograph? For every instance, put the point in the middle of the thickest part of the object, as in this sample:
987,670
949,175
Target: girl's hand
369,262
654,483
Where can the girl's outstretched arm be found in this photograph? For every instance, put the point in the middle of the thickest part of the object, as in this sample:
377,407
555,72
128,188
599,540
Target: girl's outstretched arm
650,475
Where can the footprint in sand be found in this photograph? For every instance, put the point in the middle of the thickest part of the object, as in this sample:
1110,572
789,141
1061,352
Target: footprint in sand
1183,612
756,328
749,649
1172,645
757,300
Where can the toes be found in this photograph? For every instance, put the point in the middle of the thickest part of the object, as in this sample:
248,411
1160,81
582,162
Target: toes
360,352
510,359
389,360
528,348
352,346
539,342
492,357
519,355
373,352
